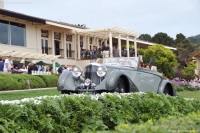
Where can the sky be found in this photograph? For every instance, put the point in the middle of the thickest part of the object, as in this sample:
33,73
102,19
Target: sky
143,16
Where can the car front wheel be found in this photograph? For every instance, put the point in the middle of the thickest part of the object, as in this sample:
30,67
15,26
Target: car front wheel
120,86
64,92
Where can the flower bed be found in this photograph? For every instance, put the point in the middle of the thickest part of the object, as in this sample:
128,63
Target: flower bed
19,81
77,113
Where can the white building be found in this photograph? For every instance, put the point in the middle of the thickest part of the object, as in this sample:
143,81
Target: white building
30,38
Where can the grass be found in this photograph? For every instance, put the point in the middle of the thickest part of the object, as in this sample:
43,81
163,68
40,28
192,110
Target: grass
51,92
189,94
28,93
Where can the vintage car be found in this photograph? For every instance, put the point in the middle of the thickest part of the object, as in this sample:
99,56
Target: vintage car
122,75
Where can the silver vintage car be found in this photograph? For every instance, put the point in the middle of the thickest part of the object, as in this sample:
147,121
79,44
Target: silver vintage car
121,75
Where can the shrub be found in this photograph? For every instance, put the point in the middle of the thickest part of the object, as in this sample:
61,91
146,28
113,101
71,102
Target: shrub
86,113
185,88
189,123
19,81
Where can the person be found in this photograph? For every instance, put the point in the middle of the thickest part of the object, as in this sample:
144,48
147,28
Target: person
60,69
8,65
23,69
64,70
48,69
1,65
42,68
33,67
20,65
147,67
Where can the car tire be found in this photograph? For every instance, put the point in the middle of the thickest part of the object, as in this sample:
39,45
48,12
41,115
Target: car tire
167,91
120,86
64,92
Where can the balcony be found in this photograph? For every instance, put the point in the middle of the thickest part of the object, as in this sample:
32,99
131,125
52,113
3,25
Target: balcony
46,50
59,52
70,54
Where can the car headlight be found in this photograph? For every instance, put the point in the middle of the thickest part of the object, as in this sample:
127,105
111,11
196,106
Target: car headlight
101,71
77,71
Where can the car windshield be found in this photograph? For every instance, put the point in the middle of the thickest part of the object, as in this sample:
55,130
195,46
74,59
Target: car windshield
124,61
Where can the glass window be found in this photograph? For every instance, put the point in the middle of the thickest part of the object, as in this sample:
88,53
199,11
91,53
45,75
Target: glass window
17,34
4,32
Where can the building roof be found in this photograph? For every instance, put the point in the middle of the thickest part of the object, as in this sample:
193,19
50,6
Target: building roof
34,19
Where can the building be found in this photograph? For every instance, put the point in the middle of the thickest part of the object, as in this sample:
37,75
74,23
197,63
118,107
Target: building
196,57
33,38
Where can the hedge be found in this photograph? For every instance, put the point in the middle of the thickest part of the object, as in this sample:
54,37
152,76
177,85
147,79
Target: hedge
19,81
189,123
186,88
89,113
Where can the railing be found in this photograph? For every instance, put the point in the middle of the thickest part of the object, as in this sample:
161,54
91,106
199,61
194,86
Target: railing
47,50
59,52
70,54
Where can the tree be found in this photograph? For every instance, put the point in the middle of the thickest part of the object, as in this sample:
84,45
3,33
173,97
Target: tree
145,37
165,59
189,71
163,38
180,38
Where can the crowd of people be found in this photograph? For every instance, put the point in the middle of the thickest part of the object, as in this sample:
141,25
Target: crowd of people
64,68
193,82
7,66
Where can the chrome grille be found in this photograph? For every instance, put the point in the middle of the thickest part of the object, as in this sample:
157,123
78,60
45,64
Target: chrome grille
90,73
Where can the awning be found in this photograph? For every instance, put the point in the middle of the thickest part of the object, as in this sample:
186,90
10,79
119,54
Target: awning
104,32
28,55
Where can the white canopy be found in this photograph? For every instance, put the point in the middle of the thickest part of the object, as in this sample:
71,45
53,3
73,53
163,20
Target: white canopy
28,55
104,32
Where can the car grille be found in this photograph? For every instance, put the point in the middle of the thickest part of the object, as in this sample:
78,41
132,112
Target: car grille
90,73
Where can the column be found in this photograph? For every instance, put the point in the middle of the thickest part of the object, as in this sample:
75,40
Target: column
75,47
65,47
119,45
97,42
79,48
52,42
106,42
88,43
110,44
127,46
54,66
135,46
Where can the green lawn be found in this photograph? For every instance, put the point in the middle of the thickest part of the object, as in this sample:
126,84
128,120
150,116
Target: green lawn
28,93
189,94
51,92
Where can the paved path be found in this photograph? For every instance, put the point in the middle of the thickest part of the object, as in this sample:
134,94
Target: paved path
28,90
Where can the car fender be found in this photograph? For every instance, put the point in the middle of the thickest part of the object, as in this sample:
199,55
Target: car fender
113,78
162,87
67,81
62,78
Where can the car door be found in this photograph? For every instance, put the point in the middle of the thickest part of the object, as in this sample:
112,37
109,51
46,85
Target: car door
146,81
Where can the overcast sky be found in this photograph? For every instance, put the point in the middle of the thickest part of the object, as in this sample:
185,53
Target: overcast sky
143,16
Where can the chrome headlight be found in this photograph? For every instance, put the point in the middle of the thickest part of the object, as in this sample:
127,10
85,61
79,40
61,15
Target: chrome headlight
77,71
101,71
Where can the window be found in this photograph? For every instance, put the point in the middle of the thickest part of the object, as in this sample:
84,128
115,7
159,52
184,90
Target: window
45,49
4,32
57,36
17,34
91,40
45,33
12,33
69,38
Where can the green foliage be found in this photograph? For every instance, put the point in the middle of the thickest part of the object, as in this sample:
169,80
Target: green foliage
195,39
189,71
145,37
163,38
85,113
19,81
188,123
165,59
186,88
